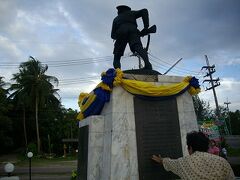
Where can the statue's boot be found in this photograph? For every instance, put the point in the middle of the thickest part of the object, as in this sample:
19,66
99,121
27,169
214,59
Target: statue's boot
116,62
143,53
148,66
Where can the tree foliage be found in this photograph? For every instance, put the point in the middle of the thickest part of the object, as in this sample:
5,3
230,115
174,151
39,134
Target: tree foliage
30,103
34,88
234,118
204,112
202,108
6,124
32,96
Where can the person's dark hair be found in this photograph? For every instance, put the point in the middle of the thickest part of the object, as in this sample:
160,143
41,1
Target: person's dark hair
198,141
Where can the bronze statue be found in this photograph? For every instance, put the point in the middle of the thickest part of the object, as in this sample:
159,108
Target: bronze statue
124,30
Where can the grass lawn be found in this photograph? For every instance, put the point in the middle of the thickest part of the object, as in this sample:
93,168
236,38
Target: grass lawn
233,152
40,161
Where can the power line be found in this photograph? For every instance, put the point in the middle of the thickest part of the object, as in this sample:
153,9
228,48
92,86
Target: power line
179,69
175,71
71,83
65,62
78,63
80,78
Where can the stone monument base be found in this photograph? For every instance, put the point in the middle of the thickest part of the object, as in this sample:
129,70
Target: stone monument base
118,144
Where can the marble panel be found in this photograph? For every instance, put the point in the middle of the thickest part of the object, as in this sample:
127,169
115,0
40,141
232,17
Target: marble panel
124,152
133,158
108,118
187,118
120,162
94,163
185,102
83,122
122,101
169,79
146,78
95,145
123,121
134,178
120,169
107,148
187,123
95,139
96,121
119,140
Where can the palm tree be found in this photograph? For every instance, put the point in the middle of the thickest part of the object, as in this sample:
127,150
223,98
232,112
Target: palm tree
6,123
20,99
35,86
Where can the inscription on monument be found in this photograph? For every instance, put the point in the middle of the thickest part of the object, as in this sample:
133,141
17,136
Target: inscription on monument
158,132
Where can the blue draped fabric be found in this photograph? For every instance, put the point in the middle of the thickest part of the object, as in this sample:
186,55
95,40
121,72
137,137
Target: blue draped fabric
93,103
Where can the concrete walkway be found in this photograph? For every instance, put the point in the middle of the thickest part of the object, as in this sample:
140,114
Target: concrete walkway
235,163
61,170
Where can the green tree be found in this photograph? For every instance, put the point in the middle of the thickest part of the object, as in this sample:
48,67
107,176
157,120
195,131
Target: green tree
223,112
6,139
57,123
202,108
235,122
36,86
20,99
70,123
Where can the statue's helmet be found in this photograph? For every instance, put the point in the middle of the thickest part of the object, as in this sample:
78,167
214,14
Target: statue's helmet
123,8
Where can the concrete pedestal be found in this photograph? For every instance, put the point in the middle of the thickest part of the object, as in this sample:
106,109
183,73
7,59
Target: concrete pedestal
112,151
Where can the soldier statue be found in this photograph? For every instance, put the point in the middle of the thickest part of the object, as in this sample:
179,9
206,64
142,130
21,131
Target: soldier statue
124,30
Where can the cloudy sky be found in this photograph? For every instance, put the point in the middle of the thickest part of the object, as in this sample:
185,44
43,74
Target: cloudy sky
73,38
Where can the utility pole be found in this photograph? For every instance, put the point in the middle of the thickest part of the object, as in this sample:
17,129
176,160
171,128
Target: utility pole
213,82
229,120
227,103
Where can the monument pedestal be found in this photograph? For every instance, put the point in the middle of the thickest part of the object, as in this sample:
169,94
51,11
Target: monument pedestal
118,144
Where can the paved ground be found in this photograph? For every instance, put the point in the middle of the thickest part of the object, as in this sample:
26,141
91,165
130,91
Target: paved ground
235,163
63,169
233,141
58,170
234,160
46,177
8,158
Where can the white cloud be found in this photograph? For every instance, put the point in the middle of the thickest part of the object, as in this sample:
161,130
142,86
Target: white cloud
227,91
8,48
60,30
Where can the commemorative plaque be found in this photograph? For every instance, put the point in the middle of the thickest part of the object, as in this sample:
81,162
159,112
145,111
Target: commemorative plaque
158,132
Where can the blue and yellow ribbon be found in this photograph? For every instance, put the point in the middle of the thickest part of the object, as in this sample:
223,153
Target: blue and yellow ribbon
92,104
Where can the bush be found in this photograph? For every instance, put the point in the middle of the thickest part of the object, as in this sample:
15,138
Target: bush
233,152
74,175
33,148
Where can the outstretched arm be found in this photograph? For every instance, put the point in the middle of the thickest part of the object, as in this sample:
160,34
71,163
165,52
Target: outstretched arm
144,14
169,164
157,159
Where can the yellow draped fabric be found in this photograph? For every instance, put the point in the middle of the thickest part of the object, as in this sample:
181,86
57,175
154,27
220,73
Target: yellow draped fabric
92,103
150,89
